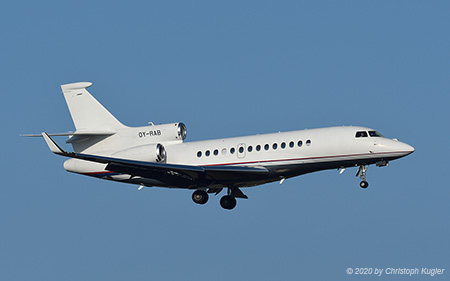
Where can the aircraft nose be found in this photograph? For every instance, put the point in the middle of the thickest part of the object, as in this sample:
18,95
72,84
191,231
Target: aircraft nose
404,148
399,148
408,148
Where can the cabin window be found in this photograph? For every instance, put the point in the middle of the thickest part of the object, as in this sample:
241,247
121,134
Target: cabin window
308,142
275,146
241,149
207,153
375,134
250,148
266,146
283,145
299,143
232,150
216,152
224,151
361,134
199,154
258,147
291,144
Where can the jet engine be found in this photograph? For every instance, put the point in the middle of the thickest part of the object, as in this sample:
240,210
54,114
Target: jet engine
163,132
149,152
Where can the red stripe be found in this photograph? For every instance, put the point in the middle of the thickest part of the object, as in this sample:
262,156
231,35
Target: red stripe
296,159
96,173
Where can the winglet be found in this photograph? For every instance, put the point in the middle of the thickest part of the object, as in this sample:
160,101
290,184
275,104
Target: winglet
52,145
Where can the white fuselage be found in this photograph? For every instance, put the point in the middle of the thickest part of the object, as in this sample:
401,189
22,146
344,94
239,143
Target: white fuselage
284,154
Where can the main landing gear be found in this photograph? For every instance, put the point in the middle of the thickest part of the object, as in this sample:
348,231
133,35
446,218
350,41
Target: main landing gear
227,202
200,197
362,175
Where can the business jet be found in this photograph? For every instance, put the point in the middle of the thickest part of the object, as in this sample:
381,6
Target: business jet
156,155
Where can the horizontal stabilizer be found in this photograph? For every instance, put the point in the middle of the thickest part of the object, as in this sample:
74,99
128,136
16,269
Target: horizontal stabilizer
77,133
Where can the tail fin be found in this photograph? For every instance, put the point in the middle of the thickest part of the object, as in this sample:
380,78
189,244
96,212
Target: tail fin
87,113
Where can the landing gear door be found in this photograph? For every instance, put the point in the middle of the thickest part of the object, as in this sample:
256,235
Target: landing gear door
241,150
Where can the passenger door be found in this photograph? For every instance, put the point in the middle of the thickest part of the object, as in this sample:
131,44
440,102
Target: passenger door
241,150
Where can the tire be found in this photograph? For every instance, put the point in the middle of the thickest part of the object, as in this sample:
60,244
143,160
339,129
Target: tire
200,197
228,202
364,184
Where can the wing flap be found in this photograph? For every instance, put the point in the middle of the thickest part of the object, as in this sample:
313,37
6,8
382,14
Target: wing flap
234,173
169,177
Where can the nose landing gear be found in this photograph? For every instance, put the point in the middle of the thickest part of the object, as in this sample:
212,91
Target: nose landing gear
364,184
362,175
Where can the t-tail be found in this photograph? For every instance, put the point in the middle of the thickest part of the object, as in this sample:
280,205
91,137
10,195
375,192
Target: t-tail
99,132
93,122
87,113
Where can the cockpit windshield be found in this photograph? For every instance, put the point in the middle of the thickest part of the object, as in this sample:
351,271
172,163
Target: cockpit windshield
363,134
375,134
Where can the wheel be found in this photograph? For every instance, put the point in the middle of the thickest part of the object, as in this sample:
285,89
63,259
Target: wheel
364,184
228,202
200,197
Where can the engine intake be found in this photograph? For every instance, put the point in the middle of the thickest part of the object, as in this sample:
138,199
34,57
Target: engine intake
161,154
182,131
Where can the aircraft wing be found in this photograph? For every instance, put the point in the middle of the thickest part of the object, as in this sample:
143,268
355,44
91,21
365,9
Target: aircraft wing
187,176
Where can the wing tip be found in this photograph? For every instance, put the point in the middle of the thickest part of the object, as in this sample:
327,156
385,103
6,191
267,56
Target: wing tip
52,144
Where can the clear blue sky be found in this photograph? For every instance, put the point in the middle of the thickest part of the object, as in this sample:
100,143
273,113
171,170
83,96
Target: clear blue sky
226,68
